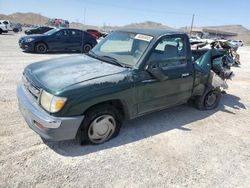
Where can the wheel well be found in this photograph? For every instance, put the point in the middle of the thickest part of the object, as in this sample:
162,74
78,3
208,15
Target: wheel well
114,103
88,43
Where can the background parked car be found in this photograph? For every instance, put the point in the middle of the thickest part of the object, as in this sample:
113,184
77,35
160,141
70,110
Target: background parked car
58,40
94,33
237,43
8,24
38,30
57,22
17,27
5,26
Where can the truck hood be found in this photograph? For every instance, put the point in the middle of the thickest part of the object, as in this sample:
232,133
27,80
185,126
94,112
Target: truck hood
58,74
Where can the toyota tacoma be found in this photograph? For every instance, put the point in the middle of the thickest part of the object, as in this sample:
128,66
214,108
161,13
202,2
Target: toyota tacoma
130,73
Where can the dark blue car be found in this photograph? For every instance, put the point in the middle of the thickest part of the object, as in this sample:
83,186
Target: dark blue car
58,40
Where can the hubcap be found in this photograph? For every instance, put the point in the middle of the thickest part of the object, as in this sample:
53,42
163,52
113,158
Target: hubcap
210,99
41,48
101,129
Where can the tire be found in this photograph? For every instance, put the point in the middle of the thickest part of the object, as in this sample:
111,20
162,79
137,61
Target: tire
1,31
209,100
15,30
101,123
237,59
41,48
86,48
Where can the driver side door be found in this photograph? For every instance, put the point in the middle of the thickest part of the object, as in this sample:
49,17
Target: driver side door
169,58
59,40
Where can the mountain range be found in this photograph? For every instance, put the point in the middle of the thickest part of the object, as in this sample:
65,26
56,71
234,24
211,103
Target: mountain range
31,18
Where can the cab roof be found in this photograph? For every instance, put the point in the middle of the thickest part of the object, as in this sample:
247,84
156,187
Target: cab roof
152,32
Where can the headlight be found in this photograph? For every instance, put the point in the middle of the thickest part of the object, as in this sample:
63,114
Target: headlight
29,40
52,103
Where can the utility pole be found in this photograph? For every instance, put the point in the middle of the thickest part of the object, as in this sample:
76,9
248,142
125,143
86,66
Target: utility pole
84,16
192,24
40,16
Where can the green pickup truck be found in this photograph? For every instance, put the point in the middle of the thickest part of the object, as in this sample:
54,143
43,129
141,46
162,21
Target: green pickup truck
130,73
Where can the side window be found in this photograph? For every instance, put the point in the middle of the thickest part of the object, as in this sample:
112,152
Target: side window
64,33
59,33
75,33
169,52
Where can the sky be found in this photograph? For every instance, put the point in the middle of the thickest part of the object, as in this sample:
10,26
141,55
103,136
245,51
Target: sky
114,12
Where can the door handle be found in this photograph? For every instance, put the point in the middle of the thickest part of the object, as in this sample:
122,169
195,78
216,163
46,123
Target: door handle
185,75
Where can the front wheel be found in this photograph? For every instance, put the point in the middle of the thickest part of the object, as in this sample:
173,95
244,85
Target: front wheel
41,48
209,100
100,125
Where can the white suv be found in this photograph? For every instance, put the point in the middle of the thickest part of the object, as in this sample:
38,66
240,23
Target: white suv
5,26
237,43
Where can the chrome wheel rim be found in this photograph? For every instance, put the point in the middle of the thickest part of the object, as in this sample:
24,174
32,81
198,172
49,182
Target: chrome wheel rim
101,129
41,48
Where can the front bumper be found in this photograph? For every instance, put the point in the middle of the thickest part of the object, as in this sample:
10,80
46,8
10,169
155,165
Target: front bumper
47,126
27,46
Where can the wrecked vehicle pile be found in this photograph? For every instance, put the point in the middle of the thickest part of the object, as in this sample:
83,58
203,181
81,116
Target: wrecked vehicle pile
221,62
230,50
128,74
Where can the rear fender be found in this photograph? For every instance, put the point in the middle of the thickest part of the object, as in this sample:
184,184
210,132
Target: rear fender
215,81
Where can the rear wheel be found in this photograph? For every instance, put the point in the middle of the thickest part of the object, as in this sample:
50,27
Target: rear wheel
15,30
86,48
41,48
209,100
1,31
100,125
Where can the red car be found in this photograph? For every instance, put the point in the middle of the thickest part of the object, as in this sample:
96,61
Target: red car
94,33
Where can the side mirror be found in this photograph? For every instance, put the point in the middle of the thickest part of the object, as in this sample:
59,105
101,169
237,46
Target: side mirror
156,71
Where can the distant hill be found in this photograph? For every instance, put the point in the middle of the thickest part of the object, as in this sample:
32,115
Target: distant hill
30,18
78,25
37,19
243,33
148,24
25,18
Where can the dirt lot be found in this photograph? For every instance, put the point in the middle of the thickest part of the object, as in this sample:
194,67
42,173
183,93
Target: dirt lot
177,147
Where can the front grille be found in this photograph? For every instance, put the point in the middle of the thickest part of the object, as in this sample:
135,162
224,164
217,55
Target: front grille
31,88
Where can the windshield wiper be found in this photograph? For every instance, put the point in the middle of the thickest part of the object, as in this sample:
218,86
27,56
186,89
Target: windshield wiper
106,58
112,60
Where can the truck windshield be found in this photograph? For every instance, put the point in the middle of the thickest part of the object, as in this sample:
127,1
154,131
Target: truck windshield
126,48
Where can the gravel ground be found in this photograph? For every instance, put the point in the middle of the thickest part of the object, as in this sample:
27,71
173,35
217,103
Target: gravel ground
177,147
